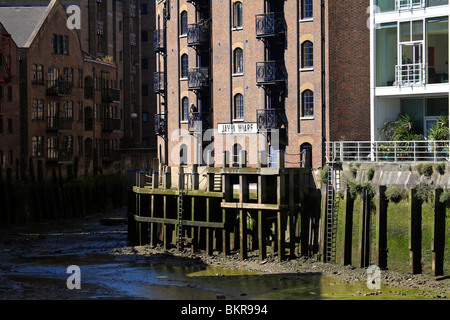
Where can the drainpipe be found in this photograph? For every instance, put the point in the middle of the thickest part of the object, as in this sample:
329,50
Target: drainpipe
322,57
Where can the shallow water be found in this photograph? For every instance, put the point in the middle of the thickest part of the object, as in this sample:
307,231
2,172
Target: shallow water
34,266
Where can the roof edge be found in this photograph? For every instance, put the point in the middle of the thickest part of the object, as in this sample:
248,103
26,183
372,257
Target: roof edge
39,25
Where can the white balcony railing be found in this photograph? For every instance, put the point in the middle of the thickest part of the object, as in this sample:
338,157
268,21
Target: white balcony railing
401,5
410,74
389,151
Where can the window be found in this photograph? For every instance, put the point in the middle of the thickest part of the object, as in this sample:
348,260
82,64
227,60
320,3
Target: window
145,117
144,36
307,54
9,94
183,23
10,126
144,9
185,109
144,63
238,106
65,45
237,14
10,158
34,74
307,9
238,60
37,146
68,110
307,103
184,66
37,109
80,78
68,76
55,43
236,150
60,44
80,111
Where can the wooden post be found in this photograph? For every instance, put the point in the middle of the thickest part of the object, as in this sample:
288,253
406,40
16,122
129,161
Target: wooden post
281,191
262,197
348,227
292,215
227,196
415,232
167,178
365,227
381,229
194,233
209,238
323,229
438,235
243,197
143,202
153,226
167,232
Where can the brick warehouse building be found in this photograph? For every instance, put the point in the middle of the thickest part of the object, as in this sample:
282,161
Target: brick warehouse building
298,66
66,101
121,30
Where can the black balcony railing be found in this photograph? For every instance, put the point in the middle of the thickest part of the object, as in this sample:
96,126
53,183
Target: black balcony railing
270,24
110,125
197,34
160,124
110,95
158,40
198,122
270,72
59,88
268,119
55,154
55,123
198,78
158,82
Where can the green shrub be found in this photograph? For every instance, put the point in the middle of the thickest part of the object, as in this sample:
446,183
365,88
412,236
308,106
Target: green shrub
445,197
355,188
441,168
424,193
370,173
425,169
324,175
394,194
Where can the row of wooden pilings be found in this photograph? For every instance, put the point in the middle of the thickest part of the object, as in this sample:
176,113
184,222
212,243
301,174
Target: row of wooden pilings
252,209
379,229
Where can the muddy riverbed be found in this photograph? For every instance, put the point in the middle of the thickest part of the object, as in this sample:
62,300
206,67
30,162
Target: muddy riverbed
34,261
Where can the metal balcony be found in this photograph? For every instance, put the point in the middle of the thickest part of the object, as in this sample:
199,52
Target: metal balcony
100,27
55,154
110,125
199,122
270,72
270,25
160,124
197,34
271,119
133,39
110,95
158,82
401,5
59,124
198,78
158,40
59,88
410,74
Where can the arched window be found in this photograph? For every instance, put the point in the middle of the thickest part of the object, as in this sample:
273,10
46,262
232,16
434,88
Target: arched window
185,109
238,61
307,54
37,146
307,103
184,66
306,155
183,155
183,23
238,106
307,9
237,14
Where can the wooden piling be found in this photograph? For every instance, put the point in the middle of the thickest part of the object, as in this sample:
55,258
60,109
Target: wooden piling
281,192
227,189
381,229
415,233
364,240
243,197
348,229
262,198
438,235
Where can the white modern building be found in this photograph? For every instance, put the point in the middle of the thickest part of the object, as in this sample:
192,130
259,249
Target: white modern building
409,62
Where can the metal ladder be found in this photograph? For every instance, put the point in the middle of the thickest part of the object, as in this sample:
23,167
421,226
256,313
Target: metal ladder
181,194
332,208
